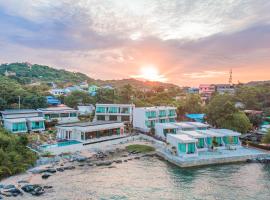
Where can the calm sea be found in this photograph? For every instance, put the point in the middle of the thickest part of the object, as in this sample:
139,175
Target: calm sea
151,178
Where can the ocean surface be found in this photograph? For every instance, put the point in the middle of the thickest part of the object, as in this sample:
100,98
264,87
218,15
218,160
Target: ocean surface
151,178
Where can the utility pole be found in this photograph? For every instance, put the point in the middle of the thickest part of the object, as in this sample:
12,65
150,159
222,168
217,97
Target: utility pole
19,102
230,79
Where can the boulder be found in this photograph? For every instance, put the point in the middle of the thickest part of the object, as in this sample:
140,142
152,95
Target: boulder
137,158
81,159
118,161
104,163
35,189
11,192
6,187
46,175
23,181
51,170
1,186
69,167
47,187
60,169
38,171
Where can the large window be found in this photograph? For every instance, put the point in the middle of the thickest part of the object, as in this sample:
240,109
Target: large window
172,113
191,148
100,110
151,114
19,127
182,147
113,118
73,114
37,125
113,110
125,110
64,115
101,117
201,143
125,118
162,113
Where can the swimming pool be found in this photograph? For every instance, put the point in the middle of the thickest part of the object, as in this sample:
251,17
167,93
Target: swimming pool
60,144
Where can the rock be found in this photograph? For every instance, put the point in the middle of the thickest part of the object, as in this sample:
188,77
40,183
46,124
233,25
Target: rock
104,163
137,158
125,160
81,159
45,175
11,192
81,165
48,187
51,170
35,189
69,167
124,156
23,181
38,171
60,169
2,186
6,187
118,161
90,164
1,197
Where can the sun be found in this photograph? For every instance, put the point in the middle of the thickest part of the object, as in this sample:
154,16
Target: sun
150,73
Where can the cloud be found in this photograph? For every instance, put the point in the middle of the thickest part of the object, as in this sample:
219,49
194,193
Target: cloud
189,41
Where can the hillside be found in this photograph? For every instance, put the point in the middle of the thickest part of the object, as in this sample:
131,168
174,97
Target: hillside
27,73
255,83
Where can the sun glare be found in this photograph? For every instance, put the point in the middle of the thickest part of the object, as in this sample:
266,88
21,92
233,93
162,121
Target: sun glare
150,73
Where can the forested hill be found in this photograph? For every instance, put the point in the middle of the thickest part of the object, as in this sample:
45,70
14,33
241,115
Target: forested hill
27,73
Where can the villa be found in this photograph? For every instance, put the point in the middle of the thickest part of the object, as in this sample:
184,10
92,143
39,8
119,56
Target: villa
213,135
184,145
87,131
201,144
145,118
162,129
114,112
62,114
230,137
57,92
22,121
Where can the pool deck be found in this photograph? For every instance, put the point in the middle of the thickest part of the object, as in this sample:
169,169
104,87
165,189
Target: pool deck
212,158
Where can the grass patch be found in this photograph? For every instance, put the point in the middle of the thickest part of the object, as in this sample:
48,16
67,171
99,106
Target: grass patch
139,148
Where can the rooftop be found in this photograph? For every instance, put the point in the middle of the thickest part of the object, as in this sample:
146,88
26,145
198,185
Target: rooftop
182,138
157,108
166,125
18,111
193,134
227,132
110,104
87,124
211,133
198,124
58,108
183,125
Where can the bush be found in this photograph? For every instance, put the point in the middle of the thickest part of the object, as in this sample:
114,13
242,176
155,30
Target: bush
15,157
140,148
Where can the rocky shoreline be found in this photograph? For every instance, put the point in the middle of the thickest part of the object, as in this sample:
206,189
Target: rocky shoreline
49,166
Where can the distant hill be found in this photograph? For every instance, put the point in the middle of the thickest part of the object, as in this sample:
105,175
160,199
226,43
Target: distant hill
27,73
254,83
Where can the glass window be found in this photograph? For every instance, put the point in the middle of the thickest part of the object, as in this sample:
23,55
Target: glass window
100,110
191,148
113,109
64,115
101,117
235,139
113,118
73,114
201,143
182,147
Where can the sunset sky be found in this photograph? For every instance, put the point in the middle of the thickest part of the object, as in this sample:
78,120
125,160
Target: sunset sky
186,42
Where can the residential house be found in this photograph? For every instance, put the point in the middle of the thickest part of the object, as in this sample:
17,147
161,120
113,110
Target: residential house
23,120
225,88
61,113
114,112
87,131
145,118
57,92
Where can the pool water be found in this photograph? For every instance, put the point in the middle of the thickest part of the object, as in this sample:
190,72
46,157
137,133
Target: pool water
60,144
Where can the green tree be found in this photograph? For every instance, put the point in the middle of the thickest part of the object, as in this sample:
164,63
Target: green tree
266,138
76,97
221,113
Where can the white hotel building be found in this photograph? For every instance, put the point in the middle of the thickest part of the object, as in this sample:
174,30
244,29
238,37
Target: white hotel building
145,118
114,112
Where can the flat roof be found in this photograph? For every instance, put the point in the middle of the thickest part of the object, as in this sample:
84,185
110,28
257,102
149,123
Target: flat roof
227,132
18,111
34,119
193,134
166,125
211,133
120,105
16,120
87,124
198,124
182,138
156,107
183,125
58,108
